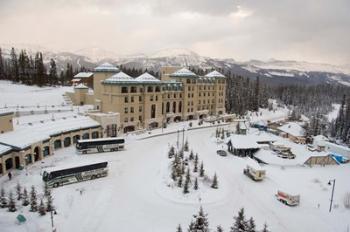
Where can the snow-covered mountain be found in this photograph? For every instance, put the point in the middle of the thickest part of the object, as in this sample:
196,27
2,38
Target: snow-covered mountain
272,71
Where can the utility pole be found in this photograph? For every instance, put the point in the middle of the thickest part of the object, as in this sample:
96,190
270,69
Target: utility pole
52,226
329,183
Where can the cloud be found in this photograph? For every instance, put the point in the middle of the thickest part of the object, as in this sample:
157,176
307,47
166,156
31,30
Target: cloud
312,30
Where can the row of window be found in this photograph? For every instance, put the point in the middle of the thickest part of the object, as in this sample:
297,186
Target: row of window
133,89
126,109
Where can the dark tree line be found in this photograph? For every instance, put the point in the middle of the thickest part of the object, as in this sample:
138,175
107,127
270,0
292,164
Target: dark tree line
340,127
29,70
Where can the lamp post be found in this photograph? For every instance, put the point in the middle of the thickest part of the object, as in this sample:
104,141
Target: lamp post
330,183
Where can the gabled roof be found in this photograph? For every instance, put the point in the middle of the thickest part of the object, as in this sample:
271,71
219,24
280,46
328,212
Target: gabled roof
119,77
215,74
4,149
106,67
293,128
84,75
146,77
184,72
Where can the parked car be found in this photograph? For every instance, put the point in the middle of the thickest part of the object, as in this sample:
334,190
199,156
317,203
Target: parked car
221,153
288,199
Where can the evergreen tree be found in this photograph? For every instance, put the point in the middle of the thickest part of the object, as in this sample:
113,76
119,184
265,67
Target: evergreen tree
19,192
200,222
265,229
240,224
215,184
25,200
171,152
49,202
219,229
179,229
187,182
33,200
201,170
179,181
195,184
3,199
14,65
42,210
40,69
191,156
12,203
186,148
195,169
251,225
2,66
53,78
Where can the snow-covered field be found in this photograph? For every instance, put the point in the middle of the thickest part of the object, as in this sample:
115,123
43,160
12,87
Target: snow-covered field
135,197
132,197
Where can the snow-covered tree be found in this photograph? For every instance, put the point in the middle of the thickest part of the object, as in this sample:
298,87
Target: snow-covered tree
187,182
201,170
3,199
171,152
179,181
178,228
49,202
265,229
19,191
200,222
12,203
240,224
33,200
251,225
215,183
195,169
219,229
186,147
42,210
195,186
191,156
25,200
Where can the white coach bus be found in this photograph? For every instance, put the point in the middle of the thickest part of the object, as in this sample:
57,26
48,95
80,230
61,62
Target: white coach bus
55,177
100,145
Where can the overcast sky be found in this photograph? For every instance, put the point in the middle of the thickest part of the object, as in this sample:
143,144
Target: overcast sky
310,30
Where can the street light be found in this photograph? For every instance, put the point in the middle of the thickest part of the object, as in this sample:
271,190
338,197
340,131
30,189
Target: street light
330,183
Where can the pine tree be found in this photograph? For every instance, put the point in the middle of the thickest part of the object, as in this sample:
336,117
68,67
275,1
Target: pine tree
42,210
219,229
251,225
265,228
195,184
3,199
47,191
12,203
200,222
19,192
186,147
179,229
14,65
191,156
179,181
2,67
215,184
201,170
240,224
171,152
53,78
49,202
195,169
187,182
25,200
33,200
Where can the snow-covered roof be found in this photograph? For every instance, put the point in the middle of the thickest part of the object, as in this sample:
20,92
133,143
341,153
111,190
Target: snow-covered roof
28,134
250,140
106,67
81,86
4,149
119,77
292,128
215,74
84,75
184,72
146,77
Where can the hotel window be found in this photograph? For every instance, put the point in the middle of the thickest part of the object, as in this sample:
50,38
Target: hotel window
126,110
151,98
124,89
140,99
133,89
132,99
150,89
156,97
189,88
188,81
131,119
141,90
125,119
157,89
131,109
140,118
126,99
140,108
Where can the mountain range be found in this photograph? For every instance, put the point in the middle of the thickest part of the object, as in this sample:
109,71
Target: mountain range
271,71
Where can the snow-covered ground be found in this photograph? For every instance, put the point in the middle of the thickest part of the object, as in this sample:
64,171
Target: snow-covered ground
334,113
131,199
134,196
